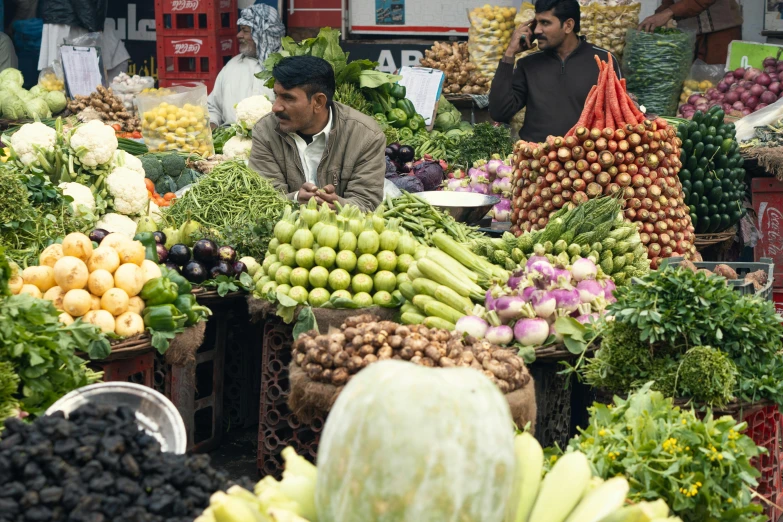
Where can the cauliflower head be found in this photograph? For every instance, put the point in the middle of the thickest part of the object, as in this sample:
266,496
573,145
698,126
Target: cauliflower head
127,188
123,159
154,213
95,143
252,109
31,136
117,223
237,148
83,198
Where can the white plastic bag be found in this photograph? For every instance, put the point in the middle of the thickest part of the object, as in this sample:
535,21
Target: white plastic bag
769,114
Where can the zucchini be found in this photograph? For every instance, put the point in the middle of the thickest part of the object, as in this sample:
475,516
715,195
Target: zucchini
437,322
407,291
451,298
412,318
465,288
420,300
424,286
444,311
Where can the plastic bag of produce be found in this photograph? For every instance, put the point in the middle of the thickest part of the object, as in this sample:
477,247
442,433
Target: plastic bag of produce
655,66
178,120
52,78
701,79
488,36
605,25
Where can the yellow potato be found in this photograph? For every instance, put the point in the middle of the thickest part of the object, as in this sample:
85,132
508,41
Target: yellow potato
96,302
71,273
55,294
77,245
15,284
40,276
51,255
129,324
77,302
115,301
31,290
104,258
136,305
100,318
65,318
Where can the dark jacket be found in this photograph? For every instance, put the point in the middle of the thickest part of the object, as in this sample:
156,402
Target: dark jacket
87,14
554,91
354,160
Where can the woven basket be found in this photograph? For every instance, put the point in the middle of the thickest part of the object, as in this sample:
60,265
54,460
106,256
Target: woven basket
126,348
558,352
204,295
707,240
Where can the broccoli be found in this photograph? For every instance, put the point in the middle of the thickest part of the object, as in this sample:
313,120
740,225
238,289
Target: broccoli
165,184
707,375
187,177
9,386
173,164
152,168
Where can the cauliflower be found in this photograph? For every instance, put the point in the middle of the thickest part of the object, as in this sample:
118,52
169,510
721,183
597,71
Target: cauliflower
252,109
83,198
94,143
123,159
237,148
154,213
127,188
31,136
117,223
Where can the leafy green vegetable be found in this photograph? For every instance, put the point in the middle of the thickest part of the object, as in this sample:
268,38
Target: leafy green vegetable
42,350
700,468
9,386
485,141
5,273
226,284
708,375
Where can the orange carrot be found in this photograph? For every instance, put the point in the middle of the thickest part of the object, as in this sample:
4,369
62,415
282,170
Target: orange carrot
599,106
613,104
587,113
609,120
623,100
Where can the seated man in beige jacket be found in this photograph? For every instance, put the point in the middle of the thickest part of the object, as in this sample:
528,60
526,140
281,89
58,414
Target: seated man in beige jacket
310,146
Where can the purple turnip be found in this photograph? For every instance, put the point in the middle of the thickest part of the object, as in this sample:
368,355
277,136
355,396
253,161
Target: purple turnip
531,332
472,325
500,335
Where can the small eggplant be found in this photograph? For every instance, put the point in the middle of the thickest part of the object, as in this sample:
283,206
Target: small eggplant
406,154
195,272
239,267
390,153
163,254
205,250
179,254
160,238
98,234
172,266
221,268
227,254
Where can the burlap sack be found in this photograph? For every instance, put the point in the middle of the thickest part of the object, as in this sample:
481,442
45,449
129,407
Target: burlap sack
769,158
182,349
309,399
260,309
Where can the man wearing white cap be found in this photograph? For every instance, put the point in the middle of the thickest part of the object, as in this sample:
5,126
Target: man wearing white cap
260,32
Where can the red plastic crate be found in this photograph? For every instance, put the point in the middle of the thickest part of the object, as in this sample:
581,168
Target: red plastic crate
196,17
777,297
189,82
765,427
138,369
767,196
194,57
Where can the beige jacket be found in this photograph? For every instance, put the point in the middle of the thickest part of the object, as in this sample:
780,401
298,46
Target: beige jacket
353,160
704,16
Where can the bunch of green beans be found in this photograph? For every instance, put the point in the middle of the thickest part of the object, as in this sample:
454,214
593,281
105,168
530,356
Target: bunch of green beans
422,220
235,205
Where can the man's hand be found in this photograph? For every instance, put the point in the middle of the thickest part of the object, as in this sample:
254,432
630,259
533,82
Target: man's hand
515,46
306,193
651,23
326,195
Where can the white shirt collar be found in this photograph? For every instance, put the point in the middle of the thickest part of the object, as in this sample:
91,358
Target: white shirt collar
326,130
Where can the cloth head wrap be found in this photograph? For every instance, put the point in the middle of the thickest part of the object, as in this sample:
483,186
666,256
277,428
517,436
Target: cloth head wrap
266,28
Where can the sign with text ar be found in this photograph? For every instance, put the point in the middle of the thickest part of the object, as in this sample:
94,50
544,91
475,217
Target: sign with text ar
750,54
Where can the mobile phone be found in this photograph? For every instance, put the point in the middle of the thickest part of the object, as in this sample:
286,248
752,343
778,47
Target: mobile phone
523,40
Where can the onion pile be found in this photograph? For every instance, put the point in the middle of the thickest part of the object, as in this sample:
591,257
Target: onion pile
637,161
740,92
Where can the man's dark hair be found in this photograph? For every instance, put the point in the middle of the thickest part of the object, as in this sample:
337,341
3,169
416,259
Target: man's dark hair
563,10
310,73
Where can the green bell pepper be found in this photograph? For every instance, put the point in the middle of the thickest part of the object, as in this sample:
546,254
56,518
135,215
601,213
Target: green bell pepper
405,134
407,106
186,304
397,118
397,91
385,89
183,284
150,246
416,123
164,318
159,291
380,118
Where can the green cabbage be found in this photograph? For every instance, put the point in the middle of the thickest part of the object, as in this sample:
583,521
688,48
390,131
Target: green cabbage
14,108
37,91
37,109
11,75
56,101
447,120
3,95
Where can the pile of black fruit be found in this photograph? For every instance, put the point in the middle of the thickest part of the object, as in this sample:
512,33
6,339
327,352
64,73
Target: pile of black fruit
97,466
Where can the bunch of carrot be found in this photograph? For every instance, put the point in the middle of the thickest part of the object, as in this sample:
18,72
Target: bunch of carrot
162,201
608,105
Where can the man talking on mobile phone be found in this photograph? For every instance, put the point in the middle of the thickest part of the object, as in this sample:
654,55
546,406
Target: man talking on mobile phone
552,83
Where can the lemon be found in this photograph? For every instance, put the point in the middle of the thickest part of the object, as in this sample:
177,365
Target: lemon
172,125
485,23
199,126
162,147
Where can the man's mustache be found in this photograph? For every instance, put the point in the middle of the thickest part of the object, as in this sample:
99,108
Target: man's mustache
282,116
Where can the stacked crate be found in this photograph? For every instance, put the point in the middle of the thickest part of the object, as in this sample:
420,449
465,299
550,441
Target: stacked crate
195,39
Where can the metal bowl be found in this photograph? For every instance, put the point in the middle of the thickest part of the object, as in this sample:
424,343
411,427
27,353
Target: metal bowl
155,414
466,207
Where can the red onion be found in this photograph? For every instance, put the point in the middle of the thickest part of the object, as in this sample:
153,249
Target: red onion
746,111
723,86
738,106
751,74
769,61
768,97
770,69
732,97
751,102
702,107
774,87
760,106
739,73
726,107
780,76
745,96
757,89
694,99
779,66
763,79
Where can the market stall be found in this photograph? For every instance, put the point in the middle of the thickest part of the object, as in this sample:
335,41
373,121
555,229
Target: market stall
542,310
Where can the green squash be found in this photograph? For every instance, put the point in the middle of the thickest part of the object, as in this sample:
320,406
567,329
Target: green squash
406,443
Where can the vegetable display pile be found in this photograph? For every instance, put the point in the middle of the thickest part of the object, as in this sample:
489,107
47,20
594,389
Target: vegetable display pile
102,285
491,177
535,305
595,230
741,91
485,141
444,283
605,24
701,468
459,409
712,173
656,66
454,60
109,107
234,206
98,465
41,351
342,260
40,102
423,220
612,150
409,175
658,321
167,173
362,340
